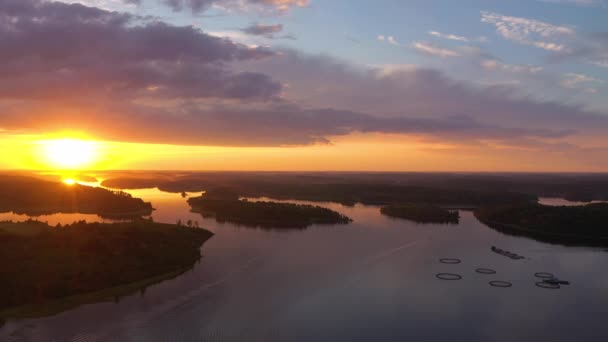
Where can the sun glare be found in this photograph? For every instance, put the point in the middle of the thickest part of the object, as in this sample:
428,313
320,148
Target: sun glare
69,181
69,153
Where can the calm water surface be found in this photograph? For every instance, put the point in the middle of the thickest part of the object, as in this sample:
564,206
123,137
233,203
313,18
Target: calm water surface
372,280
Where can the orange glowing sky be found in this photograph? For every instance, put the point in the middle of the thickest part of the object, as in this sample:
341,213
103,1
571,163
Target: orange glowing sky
358,152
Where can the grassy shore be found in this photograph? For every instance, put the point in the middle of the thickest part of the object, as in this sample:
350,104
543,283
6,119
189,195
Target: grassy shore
45,269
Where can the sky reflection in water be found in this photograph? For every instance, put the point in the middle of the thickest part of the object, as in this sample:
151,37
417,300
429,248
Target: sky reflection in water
371,280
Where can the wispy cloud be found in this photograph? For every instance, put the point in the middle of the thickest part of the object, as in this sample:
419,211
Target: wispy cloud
389,39
264,6
530,31
429,49
197,6
496,65
106,4
449,36
455,37
600,63
583,82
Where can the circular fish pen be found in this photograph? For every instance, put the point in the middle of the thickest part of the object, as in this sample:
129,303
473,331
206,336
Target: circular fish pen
500,283
544,275
546,285
451,261
485,271
448,276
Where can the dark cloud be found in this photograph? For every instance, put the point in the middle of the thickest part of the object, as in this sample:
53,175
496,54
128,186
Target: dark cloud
194,5
60,51
263,30
394,90
271,125
267,31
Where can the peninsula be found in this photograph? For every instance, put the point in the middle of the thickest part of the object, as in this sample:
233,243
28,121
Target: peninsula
46,269
34,197
566,225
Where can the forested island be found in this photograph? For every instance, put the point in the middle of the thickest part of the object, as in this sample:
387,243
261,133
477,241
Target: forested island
421,213
567,225
46,269
225,206
33,197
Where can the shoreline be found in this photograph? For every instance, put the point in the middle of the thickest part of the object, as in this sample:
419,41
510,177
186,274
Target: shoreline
52,307
547,237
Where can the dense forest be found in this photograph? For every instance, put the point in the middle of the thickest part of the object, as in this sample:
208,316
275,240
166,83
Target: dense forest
380,188
39,263
421,213
32,196
345,188
576,225
225,206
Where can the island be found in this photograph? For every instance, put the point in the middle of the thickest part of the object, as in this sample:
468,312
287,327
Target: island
421,213
44,269
225,206
566,225
34,197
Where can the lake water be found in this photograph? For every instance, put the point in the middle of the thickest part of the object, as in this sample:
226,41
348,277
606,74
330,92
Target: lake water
372,280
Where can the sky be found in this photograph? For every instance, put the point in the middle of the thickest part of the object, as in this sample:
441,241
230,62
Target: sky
336,85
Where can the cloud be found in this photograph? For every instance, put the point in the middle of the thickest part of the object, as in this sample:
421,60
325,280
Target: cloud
529,31
272,125
263,30
408,90
389,39
593,49
496,65
266,31
105,4
275,6
432,50
63,52
449,36
581,81
352,39
561,42
600,63
197,6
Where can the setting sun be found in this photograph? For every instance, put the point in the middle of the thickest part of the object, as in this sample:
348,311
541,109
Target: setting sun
69,153
69,181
